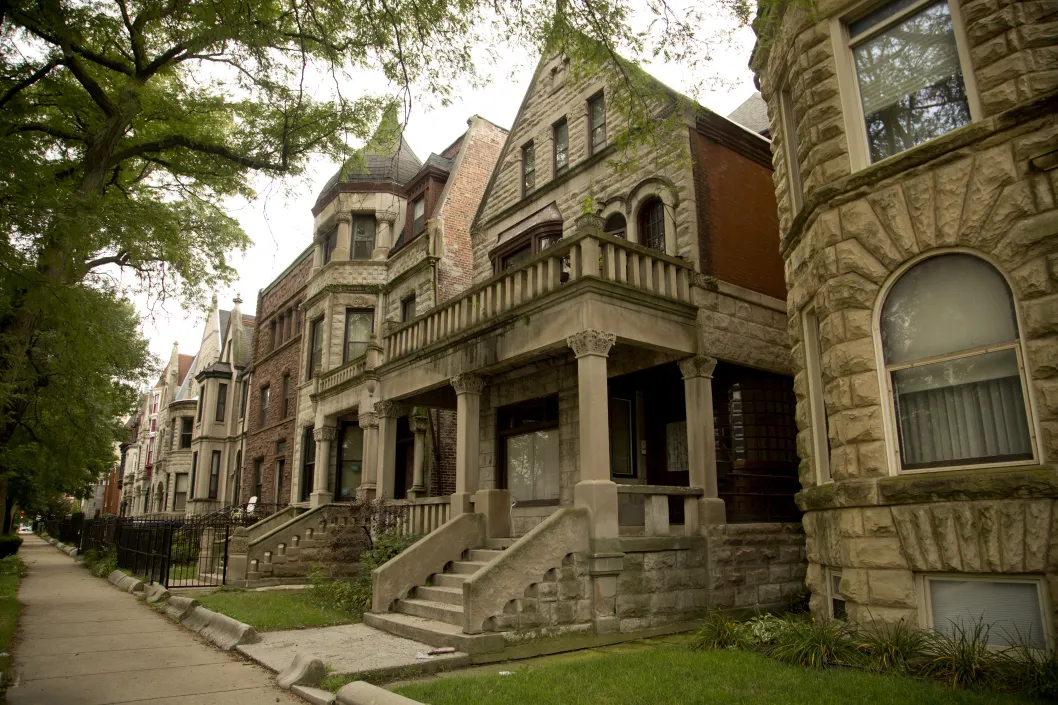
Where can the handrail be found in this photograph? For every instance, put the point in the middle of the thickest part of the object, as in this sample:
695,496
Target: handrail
585,255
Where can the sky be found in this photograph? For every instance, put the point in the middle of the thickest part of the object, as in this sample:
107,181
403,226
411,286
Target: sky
279,221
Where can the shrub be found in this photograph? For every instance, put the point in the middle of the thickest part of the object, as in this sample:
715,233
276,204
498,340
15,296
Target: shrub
1027,670
9,544
101,563
900,647
354,596
964,659
815,643
719,632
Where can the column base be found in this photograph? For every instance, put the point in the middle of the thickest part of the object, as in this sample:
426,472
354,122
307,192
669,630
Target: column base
319,498
600,497
461,503
711,510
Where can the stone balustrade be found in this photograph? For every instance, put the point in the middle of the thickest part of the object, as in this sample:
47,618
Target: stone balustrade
656,507
343,373
423,515
591,255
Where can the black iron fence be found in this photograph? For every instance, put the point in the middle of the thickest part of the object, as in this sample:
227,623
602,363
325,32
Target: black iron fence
66,529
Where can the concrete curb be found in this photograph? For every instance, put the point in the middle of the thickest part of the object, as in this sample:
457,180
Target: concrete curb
218,629
316,696
155,593
303,670
362,693
179,607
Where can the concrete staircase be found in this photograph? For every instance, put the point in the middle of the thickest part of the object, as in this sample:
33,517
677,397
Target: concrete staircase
433,613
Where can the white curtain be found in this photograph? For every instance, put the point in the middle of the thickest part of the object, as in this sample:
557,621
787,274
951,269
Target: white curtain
532,466
1010,609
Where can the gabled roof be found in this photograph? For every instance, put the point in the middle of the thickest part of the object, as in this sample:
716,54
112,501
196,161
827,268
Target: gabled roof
752,114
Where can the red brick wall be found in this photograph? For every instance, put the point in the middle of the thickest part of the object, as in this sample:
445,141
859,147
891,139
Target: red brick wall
470,176
738,224
269,368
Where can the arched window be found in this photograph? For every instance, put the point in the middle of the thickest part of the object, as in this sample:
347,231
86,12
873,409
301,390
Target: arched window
615,225
652,225
950,342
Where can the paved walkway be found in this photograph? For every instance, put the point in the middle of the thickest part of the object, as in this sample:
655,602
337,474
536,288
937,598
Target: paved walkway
83,641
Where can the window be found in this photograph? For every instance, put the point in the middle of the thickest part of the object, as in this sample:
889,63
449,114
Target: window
418,215
316,346
953,365
350,461
201,403
284,407
793,164
281,466
194,472
1011,608
186,426
615,226
652,225
358,324
528,437
264,407
214,474
905,56
258,477
407,309
526,246
180,493
308,463
330,243
294,320
835,600
596,123
528,168
622,438
363,236
517,257
817,407
222,401
242,404
560,138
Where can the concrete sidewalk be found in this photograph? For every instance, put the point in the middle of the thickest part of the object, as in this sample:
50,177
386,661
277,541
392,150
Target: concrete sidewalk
80,640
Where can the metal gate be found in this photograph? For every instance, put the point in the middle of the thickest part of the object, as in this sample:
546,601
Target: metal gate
198,553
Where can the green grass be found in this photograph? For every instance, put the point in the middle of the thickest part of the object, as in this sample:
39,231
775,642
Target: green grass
670,674
11,571
274,610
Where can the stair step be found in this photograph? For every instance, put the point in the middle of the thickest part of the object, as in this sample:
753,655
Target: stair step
449,580
498,544
428,609
483,554
447,595
434,633
467,567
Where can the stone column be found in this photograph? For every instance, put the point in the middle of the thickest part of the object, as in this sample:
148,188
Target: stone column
345,237
317,253
388,413
383,235
701,444
595,490
321,494
419,425
368,421
468,422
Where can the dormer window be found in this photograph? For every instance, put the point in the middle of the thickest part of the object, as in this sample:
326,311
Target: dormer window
418,215
363,236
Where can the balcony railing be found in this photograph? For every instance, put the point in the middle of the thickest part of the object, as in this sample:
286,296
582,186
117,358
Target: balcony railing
423,515
590,255
656,507
351,369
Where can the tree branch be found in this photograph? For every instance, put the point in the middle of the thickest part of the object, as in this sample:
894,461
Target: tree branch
29,81
49,130
216,150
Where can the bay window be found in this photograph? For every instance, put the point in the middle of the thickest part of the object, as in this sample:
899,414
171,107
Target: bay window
363,236
358,325
330,243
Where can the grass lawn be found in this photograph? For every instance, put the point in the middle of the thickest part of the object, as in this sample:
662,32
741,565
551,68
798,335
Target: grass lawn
672,674
274,609
10,575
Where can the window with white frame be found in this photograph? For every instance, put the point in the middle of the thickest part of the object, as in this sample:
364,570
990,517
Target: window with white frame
363,236
358,325
817,406
1011,610
596,123
793,165
953,365
835,600
906,58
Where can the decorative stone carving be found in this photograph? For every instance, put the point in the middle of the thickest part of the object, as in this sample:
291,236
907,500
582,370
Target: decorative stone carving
591,342
390,409
344,218
589,223
419,424
367,419
698,366
324,433
468,384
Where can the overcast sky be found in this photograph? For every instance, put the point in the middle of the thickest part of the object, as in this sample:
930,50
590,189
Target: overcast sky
279,221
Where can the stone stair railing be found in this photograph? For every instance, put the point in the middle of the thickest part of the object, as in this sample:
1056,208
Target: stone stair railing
423,515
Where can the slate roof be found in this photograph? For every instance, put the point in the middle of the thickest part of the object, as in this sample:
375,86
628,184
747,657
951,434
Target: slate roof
752,114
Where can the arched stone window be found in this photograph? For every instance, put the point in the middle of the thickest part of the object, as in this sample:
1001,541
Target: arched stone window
615,225
949,337
652,224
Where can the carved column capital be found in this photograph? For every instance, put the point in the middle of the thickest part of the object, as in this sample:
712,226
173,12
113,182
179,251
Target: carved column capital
324,433
419,424
344,218
390,409
367,419
468,384
698,366
591,342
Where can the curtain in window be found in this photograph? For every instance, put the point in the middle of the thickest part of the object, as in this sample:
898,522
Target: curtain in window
357,333
352,453
1011,610
363,237
532,466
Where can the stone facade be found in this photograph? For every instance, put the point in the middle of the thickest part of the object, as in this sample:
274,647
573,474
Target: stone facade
986,189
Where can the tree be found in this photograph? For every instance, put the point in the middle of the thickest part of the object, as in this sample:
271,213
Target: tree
128,123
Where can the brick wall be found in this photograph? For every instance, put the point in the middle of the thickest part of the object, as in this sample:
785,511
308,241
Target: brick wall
269,368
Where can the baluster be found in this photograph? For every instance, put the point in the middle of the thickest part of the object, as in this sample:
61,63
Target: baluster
609,262
576,257
622,265
636,279
657,515
681,285
673,291
648,273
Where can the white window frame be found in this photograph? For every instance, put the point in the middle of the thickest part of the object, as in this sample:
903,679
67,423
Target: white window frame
810,345
794,180
885,376
829,574
925,605
849,85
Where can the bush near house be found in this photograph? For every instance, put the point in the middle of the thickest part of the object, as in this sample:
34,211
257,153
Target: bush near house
101,563
353,596
9,545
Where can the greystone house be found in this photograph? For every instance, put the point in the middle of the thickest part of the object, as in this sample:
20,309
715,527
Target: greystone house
915,146
608,374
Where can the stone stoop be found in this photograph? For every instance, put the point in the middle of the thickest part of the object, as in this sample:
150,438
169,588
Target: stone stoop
433,613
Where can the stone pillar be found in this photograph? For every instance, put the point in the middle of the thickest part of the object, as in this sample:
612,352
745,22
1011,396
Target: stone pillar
345,236
368,421
419,426
383,235
701,444
388,413
317,253
321,494
468,421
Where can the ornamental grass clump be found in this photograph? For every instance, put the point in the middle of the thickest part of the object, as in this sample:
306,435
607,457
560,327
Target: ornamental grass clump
964,659
719,631
893,648
816,643
1030,671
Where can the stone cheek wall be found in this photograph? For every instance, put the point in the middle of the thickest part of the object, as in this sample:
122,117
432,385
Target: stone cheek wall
756,566
663,583
559,604
880,550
